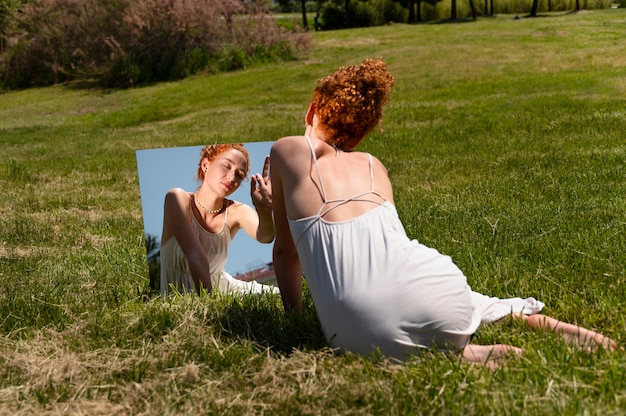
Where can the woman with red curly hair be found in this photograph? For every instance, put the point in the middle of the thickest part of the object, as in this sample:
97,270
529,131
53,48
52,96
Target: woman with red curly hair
336,223
199,226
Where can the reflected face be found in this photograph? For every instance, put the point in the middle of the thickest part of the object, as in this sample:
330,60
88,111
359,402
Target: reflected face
225,173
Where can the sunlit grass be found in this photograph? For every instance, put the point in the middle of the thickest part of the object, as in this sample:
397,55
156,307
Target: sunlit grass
505,142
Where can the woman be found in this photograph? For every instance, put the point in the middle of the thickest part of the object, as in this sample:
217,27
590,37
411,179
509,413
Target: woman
336,222
199,226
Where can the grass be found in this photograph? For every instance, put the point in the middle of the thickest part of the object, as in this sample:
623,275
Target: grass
505,142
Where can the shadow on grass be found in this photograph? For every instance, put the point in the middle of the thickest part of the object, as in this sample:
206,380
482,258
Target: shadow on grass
261,319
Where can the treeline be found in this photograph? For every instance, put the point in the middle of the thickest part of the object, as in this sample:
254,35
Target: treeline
340,14
121,43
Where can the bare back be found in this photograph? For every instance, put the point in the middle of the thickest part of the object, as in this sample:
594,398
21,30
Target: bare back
339,190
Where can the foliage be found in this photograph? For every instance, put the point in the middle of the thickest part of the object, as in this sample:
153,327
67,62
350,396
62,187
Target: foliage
388,11
504,141
364,13
7,7
333,14
153,251
119,43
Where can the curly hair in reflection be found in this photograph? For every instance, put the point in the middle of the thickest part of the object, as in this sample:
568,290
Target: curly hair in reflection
349,103
212,150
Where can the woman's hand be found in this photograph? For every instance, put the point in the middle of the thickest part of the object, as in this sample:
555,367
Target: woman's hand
261,189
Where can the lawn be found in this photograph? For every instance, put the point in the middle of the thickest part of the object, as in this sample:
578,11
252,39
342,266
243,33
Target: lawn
505,140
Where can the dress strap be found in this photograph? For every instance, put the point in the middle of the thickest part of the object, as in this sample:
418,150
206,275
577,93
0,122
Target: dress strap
371,171
226,214
317,169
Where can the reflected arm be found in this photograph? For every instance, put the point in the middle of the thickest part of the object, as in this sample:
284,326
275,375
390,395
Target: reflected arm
260,225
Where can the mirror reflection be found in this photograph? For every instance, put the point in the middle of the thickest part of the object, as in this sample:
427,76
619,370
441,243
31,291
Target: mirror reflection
162,169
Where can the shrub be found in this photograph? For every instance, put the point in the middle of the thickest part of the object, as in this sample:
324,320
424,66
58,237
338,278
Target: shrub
119,43
388,11
332,16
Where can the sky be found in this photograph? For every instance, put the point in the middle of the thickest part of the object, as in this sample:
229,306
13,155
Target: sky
175,167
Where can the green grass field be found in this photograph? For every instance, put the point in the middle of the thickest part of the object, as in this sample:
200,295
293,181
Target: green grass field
506,142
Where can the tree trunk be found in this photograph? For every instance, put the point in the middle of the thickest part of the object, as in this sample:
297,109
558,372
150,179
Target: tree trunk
411,11
473,7
533,10
305,24
577,5
492,8
453,10
419,10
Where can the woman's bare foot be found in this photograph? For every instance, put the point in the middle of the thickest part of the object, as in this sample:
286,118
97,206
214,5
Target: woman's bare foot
489,355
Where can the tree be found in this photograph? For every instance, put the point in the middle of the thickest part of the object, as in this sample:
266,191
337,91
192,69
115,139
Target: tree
153,251
473,9
305,24
415,9
7,8
533,9
453,14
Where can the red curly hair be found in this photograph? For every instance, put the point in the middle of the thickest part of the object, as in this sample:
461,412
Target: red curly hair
349,103
212,150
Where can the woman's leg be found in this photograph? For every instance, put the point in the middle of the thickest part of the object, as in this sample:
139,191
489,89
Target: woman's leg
491,355
571,333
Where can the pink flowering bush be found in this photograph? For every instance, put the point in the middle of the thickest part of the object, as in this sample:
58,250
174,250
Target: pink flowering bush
120,43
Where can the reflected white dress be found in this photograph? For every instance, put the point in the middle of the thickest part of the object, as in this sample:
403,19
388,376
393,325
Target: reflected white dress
373,287
175,268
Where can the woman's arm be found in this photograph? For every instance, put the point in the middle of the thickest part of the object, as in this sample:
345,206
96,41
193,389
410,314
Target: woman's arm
176,221
285,256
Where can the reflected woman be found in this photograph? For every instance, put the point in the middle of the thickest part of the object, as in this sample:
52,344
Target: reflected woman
199,226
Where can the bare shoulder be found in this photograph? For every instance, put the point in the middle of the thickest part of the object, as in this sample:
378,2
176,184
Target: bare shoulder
383,183
238,209
290,154
177,194
238,206
288,144
239,214
378,164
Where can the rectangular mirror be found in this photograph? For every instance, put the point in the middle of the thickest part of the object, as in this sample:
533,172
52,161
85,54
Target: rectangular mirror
160,170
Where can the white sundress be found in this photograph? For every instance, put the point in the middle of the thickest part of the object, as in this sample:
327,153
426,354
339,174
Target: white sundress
374,288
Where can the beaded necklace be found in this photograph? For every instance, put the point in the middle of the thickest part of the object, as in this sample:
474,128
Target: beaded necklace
208,211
